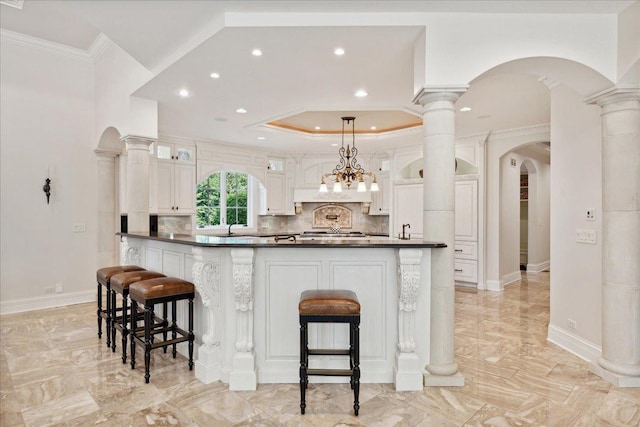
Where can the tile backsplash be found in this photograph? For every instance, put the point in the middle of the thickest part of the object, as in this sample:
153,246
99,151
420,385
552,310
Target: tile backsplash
370,224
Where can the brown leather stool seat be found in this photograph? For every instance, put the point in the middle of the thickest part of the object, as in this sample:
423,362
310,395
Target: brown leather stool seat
120,285
103,277
154,291
330,306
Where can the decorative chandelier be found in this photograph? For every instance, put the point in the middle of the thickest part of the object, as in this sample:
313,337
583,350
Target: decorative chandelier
348,170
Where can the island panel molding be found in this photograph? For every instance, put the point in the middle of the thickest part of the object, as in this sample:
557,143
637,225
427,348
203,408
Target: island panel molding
246,320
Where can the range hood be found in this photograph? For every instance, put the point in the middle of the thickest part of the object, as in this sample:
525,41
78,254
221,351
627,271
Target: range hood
312,195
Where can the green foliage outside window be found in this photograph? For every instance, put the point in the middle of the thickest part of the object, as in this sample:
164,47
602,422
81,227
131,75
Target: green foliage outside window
212,204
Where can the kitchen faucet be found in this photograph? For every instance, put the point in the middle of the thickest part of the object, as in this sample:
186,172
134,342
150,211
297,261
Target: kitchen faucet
403,229
229,233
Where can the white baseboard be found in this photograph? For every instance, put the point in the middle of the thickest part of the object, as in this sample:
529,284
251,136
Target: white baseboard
49,301
574,344
494,285
537,268
510,278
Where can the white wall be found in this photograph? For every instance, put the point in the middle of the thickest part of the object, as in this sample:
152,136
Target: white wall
47,121
628,38
576,183
539,231
510,218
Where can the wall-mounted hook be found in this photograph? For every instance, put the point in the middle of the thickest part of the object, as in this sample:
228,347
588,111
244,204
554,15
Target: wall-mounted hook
47,188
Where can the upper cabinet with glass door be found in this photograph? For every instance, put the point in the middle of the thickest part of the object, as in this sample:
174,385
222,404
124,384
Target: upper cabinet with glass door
182,153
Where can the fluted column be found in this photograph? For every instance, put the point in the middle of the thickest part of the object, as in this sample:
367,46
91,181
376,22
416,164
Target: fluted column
137,183
438,225
620,361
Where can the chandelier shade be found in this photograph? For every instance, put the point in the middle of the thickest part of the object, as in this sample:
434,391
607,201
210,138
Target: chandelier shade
348,170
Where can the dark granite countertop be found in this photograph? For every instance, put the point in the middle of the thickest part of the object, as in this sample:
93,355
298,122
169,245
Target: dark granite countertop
285,240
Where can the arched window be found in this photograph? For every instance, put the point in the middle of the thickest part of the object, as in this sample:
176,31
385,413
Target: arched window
224,198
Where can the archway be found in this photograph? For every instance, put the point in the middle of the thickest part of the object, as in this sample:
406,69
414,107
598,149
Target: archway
108,150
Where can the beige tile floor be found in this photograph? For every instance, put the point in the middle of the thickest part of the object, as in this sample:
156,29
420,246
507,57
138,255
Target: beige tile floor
54,371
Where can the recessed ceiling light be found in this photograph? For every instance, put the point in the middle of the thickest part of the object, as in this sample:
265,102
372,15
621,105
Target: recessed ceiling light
361,93
317,128
214,75
373,128
261,138
256,52
184,93
465,109
334,145
339,51
241,110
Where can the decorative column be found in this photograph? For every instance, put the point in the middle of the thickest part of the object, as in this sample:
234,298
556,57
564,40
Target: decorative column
137,183
107,194
438,225
130,254
407,368
243,372
206,277
620,361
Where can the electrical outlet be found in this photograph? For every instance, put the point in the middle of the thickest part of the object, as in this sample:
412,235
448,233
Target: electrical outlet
591,214
48,290
59,288
572,324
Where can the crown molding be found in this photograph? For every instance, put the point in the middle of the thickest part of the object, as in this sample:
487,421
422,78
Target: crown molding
91,55
41,45
521,131
98,47
13,3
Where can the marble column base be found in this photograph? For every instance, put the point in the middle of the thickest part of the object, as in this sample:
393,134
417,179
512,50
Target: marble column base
243,374
615,379
208,365
455,380
407,372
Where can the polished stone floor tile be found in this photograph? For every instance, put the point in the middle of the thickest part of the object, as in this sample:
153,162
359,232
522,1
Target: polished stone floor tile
54,371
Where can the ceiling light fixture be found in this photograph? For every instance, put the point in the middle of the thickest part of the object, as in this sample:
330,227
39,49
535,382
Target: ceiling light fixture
241,111
256,52
348,170
184,93
465,109
262,138
373,128
214,75
317,127
361,93
339,51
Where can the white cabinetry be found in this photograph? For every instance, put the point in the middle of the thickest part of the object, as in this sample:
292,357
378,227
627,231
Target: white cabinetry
176,179
279,197
407,209
381,200
466,234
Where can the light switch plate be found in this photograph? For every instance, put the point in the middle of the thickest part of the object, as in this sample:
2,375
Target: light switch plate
586,236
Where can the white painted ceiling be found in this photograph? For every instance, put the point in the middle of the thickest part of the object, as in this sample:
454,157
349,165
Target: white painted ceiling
297,72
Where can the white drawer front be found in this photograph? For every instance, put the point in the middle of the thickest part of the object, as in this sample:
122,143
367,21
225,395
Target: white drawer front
466,250
466,270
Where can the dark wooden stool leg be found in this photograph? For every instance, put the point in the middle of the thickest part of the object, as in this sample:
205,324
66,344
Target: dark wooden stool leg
165,323
191,336
148,320
132,332
174,325
303,365
125,330
356,366
113,315
99,310
108,315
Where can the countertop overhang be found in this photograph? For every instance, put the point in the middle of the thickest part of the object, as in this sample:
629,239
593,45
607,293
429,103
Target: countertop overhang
283,240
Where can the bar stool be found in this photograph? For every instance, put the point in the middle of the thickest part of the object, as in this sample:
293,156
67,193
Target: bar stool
154,291
104,279
330,306
120,285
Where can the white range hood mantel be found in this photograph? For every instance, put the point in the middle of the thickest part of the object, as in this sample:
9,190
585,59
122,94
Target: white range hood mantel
312,195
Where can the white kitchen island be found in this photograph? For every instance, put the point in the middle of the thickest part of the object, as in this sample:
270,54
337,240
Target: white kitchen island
246,318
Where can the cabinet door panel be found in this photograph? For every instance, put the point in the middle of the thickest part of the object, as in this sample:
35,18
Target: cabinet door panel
407,209
466,217
165,187
276,196
185,191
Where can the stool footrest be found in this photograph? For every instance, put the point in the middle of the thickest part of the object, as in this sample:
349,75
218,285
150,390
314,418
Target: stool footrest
331,372
328,352
170,342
